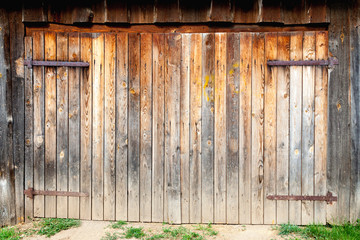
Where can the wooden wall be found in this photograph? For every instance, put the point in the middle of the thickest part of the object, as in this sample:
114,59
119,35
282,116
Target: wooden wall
343,121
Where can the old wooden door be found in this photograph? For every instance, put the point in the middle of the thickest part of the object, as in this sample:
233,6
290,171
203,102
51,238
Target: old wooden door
177,127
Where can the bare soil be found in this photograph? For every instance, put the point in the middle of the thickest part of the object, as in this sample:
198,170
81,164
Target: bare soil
95,230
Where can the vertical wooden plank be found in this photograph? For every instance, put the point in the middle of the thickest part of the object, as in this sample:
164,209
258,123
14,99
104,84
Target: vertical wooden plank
141,11
50,124
257,136
39,131
158,128
97,128
185,127
232,127
167,11
271,11
74,125
307,165
194,11
62,130
145,128
247,11
172,127
282,130
134,127
122,82
109,128
85,125
221,11
116,11
195,127
245,129
295,127
207,126
321,106
220,129
29,134
271,48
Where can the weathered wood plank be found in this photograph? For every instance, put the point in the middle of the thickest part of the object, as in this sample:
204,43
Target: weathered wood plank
296,40
339,155
158,131
307,162
194,11
50,124
172,127
247,11
355,113
62,128
207,126
271,11
141,11
321,114
39,131
257,136
220,129
116,11
145,127
195,127
134,128
282,131
271,48
167,11
86,125
232,127
245,129
185,127
122,83
109,128
97,128
29,130
34,12
74,125
221,11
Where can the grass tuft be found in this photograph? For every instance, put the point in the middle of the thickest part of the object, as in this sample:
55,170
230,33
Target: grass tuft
10,233
119,224
133,232
51,226
110,236
286,229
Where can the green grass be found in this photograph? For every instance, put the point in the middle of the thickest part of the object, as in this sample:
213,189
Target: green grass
346,231
133,232
10,233
109,236
51,226
119,224
156,237
208,230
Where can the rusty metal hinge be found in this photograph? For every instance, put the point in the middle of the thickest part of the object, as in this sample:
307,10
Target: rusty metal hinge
330,62
30,192
329,198
30,63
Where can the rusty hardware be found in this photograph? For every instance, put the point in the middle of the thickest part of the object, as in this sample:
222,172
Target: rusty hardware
330,62
30,192
329,198
30,63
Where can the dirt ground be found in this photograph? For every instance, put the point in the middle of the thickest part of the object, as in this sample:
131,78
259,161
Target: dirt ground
95,230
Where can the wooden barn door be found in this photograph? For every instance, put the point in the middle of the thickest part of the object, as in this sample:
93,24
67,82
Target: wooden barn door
182,128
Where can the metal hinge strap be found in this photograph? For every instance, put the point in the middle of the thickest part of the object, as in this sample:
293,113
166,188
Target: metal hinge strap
30,192
329,198
30,63
330,62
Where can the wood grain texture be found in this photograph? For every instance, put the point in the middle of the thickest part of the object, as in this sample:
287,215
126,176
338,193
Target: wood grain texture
50,125
39,118
232,127
282,130
167,11
29,130
172,127
145,127
86,85
116,11
185,127
245,129
195,127
321,129
121,127
221,11
134,128
158,128
296,45
270,127
141,11
207,126
257,168
74,125
97,128
307,164
109,127
62,125
220,129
